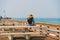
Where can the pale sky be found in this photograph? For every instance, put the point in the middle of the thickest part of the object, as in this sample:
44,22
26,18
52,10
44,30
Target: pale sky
39,8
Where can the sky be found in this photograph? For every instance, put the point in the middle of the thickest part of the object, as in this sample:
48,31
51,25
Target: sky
21,8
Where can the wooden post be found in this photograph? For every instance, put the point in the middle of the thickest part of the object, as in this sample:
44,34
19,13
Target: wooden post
27,36
10,37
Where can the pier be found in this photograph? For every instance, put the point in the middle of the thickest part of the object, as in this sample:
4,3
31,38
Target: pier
46,31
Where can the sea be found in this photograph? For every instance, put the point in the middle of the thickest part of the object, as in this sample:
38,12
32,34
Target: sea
49,20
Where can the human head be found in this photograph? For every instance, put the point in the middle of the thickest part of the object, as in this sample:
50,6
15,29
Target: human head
30,16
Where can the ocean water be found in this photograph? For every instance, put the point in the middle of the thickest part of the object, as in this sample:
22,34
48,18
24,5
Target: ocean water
50,20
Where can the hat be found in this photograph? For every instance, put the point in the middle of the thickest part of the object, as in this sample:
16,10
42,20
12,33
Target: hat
30,16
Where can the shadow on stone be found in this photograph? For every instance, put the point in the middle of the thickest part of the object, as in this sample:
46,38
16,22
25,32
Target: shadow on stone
37,38
19,38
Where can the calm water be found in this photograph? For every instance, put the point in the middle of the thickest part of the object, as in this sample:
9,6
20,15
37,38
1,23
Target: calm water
50,20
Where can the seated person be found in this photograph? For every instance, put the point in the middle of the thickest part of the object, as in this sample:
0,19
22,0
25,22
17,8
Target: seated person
30,20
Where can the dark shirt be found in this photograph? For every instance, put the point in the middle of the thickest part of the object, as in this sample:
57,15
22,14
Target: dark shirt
30,21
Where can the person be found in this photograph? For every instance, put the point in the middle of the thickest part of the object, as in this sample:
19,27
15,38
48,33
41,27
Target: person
1,18
30,20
